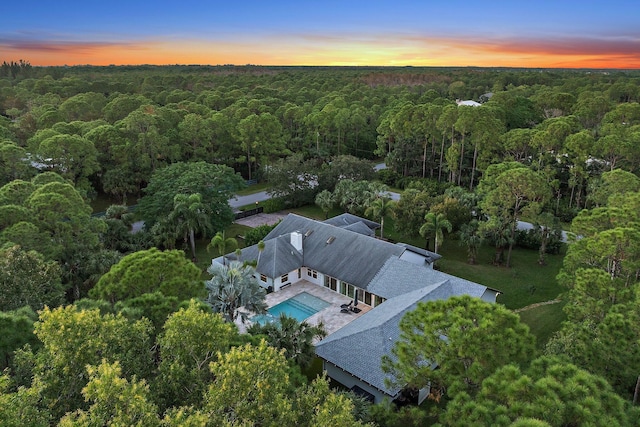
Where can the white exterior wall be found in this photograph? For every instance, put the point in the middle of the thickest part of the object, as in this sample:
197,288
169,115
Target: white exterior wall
318,281
489,295
348,380
291,279
266,284
216,261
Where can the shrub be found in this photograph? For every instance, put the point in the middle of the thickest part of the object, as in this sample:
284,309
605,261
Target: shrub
530,239
275,204
258,233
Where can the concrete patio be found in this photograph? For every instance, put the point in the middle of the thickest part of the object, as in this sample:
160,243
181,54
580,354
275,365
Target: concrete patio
331,316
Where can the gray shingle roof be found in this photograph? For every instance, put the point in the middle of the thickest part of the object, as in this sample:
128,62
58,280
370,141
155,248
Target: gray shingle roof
430,256
397,277
346,219
341,253
359,346
360,227
277,258
368,263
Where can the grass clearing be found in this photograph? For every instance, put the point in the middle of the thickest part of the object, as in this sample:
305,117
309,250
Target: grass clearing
524,283
313,211
204,257
255,188
544,321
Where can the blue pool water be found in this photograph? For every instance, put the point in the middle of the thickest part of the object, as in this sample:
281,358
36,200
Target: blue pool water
300,307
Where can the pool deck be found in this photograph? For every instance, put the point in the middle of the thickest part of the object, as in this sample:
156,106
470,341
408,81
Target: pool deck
331,316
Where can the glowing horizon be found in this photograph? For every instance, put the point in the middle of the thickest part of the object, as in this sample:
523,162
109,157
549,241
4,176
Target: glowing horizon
402,34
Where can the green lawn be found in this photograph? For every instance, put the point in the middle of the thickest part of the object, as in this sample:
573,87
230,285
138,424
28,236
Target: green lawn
256,188
524,283
313,211
543,321
204,257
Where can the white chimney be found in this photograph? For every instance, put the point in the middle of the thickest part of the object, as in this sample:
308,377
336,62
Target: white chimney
296,240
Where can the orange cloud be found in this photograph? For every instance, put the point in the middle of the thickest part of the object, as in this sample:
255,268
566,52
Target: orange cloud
387,49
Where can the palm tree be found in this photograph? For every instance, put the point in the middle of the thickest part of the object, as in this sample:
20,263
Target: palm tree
471,237
234,287
222,245
324,200
261,246
188,216
498,231
296,338
379,208
433,226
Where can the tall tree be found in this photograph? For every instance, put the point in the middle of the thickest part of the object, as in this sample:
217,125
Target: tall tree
222,244
433,227
74,338
410,210
114,400
253,385
294,179
20,407
608,347
261,138
378,209
27,279
324,200
71,156
190,216
149,271
518,191
551,391
467,339
215,183
191,339
472,238
14,163
250,387
16,331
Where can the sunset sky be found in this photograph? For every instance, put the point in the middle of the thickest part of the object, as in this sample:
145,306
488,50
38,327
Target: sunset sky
514,33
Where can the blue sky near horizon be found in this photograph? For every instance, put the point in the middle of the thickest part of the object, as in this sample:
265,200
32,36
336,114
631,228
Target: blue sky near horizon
421,33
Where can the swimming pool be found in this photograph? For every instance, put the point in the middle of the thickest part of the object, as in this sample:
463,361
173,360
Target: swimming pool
300,307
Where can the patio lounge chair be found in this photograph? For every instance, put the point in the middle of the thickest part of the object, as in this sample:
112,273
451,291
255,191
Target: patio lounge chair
346,305
354,308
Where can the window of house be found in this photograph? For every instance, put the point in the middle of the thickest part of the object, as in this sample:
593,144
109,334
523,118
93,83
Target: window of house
263,278
350,290
312,273
284,278
379,300
367,298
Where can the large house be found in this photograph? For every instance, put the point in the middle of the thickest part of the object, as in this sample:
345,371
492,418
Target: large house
343,255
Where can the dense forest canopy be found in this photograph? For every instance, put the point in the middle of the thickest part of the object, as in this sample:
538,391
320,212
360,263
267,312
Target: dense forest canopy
109,128
549,146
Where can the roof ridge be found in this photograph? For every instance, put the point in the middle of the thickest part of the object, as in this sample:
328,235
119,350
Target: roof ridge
383,268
